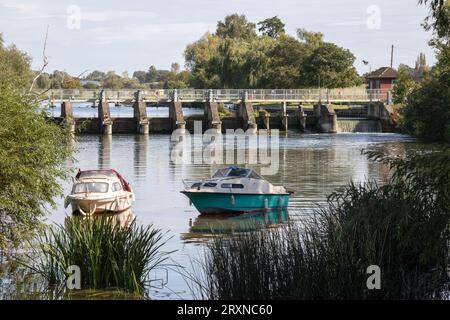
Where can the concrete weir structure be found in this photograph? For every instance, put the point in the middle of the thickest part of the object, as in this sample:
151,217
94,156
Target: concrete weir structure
278,114
326,118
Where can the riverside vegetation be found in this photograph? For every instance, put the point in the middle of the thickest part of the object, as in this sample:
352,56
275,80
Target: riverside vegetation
402,227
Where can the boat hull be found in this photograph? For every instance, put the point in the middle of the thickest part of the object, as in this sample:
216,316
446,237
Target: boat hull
217,203
92,206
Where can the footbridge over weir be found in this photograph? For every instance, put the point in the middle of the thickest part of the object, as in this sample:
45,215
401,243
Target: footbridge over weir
322,117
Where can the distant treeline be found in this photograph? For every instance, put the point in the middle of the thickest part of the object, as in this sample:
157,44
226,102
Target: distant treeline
239,54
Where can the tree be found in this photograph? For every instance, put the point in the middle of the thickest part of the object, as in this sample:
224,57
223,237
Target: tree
43,81
33,152
14,66
140,75
236,27
438,21
112,81
96,75
313,39
175,68
404,84
421,67
330,65
200,57
271,27
287,56
426,112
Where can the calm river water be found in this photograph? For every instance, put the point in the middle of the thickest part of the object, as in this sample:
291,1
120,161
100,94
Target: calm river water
312,165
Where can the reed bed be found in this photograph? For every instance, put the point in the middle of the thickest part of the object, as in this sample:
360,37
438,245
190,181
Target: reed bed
401,226
108,255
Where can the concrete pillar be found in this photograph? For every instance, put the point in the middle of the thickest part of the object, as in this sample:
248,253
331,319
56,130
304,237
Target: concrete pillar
327,121
265,118
176,115
212,110
284,122
247,114
104,115
67,115
140,113
284,111
301,118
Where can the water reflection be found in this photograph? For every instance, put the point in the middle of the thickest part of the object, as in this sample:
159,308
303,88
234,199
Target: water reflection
123,219
140,156
312,165
206,225
104,152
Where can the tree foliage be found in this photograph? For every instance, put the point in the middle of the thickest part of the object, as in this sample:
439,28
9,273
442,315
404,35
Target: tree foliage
235,57
33,151
236,26
427,110
271,27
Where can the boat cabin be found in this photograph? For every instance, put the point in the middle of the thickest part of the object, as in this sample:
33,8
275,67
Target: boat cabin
235,172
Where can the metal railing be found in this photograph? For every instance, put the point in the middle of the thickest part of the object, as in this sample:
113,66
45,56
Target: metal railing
221,95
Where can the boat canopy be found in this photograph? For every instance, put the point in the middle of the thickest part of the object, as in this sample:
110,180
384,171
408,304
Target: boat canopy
108,173
236,172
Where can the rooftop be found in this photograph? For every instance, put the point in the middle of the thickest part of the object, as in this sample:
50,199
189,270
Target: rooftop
383,72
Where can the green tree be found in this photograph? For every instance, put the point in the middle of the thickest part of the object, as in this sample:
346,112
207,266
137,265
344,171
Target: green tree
43,82
236,26
312,39
112,81
14,66
427,111
96,75
175,67
33,152
140,75
332,66
200,57
404,84
272,27
286,58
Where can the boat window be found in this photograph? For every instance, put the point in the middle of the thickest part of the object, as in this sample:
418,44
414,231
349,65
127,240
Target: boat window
99,187
196,185
237,172
232,185
210,185
220,173
254,175
116,186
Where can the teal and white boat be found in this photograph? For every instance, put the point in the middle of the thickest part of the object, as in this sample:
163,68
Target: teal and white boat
236,190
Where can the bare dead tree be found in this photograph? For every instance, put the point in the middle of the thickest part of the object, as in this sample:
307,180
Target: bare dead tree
44,65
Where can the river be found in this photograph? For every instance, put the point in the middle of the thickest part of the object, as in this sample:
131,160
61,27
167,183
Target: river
311,165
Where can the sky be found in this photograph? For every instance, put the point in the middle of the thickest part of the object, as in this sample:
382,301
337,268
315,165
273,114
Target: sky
135,34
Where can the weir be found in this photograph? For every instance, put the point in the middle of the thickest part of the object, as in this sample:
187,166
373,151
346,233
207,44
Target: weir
322,118
358,125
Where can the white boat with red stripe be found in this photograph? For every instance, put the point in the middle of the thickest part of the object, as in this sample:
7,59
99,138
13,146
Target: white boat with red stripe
100,191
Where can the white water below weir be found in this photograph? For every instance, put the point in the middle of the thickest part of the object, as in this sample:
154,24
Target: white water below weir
358,125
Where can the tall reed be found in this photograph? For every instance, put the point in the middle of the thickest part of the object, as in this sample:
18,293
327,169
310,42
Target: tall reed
108,255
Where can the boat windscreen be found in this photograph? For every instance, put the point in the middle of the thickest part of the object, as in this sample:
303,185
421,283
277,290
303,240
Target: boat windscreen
221,173
96,173
237,173
91,187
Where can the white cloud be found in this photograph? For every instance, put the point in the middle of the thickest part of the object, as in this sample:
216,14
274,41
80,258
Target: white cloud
112,15
145,32
21,7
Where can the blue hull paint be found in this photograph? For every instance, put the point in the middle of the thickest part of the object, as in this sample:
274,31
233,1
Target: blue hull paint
209,203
